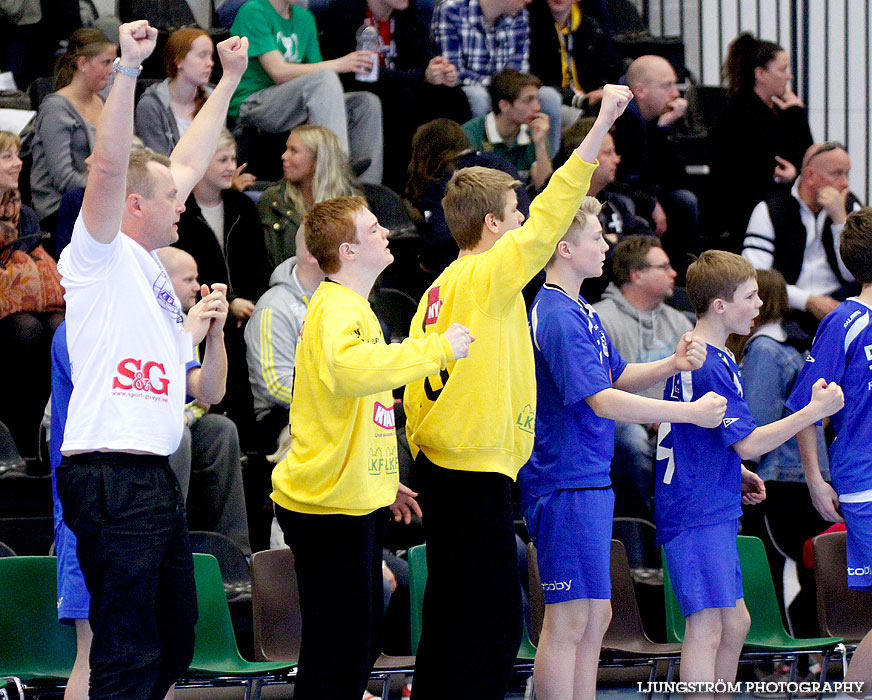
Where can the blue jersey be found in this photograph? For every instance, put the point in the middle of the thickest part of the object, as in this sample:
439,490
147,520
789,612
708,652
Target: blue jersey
574,359
842,353
698,474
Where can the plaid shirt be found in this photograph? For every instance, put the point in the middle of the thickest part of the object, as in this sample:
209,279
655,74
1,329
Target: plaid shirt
478,51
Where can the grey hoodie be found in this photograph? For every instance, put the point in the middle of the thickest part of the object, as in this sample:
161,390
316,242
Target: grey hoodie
641,336
155,123
271,339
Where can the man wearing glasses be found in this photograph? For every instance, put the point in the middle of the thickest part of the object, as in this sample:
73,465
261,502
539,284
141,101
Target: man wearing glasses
797,232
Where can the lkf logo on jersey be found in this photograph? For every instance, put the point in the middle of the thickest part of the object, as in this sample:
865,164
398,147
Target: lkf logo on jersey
383,416
434,306
527,420
139,379
383,461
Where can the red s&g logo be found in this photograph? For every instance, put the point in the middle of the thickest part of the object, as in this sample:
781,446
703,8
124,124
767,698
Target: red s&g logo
141,377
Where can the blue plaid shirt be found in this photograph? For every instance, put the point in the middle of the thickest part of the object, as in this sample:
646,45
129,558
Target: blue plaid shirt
478,51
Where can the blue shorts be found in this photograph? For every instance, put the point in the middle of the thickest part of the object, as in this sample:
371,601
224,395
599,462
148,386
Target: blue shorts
572,531
858,521
704,567
74,600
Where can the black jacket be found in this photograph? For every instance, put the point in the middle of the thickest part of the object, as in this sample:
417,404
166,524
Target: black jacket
243,265
338,25
790,236
744,142
595,62
649,160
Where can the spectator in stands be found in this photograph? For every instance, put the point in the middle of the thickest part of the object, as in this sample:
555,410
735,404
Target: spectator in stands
618,213
315,169
221,229
271,341
26,219
26,326
167,109
643,328
439,148
516,129
760,139
650,170
797,232
289,83
483,37
208,459
67,121
570,51
414,86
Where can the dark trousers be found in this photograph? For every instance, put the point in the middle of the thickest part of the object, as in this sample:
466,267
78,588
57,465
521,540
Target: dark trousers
472,603
338,563
128,516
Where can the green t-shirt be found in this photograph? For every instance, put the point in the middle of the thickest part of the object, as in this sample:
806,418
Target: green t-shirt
483,136
295,38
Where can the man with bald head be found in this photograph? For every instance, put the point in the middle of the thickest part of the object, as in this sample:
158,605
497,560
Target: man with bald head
209,457
650,170
797,232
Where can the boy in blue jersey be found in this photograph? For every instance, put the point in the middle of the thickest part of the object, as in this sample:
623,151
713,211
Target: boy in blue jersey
581,385
842,352
700,481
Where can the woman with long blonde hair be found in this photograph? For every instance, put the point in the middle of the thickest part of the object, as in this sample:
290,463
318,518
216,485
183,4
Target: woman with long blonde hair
315,169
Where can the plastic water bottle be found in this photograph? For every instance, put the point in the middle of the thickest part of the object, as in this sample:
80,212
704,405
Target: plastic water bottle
367,40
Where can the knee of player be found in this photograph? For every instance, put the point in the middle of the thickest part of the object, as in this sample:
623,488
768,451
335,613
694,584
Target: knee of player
600,616
567,620
736,623
704,629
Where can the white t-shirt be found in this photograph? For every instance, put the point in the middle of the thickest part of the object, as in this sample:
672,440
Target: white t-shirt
215,218
128,349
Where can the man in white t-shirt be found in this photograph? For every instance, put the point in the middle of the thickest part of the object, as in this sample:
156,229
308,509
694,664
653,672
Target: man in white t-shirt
131,360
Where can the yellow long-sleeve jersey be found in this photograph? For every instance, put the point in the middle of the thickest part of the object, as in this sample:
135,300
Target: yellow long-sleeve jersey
480,415
343,458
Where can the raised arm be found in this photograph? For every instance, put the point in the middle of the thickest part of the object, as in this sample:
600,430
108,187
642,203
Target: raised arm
107,179
195,149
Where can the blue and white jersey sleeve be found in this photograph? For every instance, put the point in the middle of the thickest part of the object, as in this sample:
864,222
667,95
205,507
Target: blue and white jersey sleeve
842,353
579,356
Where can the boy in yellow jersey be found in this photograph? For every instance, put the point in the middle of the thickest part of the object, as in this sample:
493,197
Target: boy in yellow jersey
333,489
471,427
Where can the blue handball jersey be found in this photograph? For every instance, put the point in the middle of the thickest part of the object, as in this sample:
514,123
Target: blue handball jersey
842,353
574,359
698,474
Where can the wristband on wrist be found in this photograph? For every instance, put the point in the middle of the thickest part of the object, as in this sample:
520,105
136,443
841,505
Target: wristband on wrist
124,70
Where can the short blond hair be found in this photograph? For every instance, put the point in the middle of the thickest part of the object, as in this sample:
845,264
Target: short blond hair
327,226
716,274
590,207
471,194
139,178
